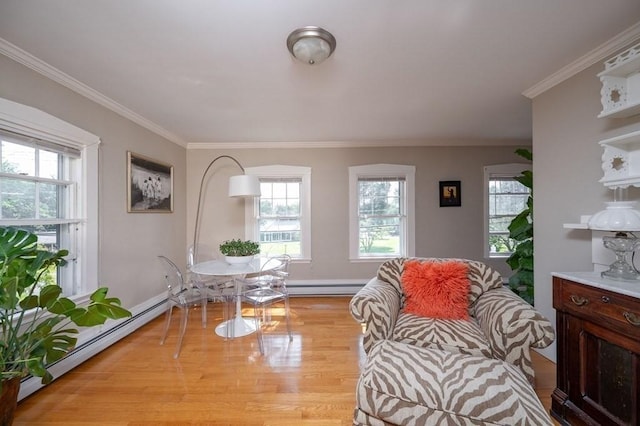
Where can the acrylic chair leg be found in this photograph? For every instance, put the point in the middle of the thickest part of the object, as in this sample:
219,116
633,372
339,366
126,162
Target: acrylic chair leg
183,328
256,316
167,323
287,317
203,305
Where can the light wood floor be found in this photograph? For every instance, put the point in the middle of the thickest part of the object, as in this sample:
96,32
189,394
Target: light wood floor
310,381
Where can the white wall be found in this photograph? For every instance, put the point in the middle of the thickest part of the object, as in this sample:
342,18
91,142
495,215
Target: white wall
566,170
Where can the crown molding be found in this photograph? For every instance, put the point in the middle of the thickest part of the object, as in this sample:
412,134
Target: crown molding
14,52
359,144
598,54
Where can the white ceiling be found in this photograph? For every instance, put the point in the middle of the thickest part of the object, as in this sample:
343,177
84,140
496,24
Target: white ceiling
218,71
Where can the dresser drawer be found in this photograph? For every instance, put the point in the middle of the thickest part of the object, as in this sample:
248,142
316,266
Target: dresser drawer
600,305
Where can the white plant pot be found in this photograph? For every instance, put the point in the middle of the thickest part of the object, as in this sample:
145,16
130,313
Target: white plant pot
238,260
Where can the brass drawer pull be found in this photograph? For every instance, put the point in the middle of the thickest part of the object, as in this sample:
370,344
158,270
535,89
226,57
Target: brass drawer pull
632,318
579,300
605,299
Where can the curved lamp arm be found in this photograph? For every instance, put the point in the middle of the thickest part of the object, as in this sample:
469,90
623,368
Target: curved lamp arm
251,193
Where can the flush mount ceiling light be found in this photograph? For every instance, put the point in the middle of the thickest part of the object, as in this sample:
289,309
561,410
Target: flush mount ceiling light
311,45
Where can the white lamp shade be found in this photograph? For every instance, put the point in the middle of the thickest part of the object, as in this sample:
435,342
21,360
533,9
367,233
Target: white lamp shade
618,216
244,186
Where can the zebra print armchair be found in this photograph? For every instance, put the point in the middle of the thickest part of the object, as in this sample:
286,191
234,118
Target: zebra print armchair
502,325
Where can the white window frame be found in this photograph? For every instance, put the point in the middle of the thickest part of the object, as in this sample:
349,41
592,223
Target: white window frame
251,209
379,171
509,170
34,123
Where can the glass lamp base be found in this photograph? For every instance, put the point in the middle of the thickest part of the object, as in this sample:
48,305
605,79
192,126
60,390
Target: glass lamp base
622,272
622,244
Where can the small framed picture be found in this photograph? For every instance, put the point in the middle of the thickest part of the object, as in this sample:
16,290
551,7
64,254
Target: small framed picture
149,185
450,193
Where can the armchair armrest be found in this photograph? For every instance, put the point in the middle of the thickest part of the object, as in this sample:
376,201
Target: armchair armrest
376,306
512,327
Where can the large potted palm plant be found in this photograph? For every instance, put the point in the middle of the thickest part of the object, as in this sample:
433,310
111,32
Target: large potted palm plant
521,231
37,323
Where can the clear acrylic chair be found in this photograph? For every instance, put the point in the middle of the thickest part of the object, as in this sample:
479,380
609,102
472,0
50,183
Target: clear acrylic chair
267,289
218,288
183,296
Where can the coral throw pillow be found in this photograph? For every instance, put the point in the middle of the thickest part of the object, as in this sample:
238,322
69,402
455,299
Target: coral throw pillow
436,289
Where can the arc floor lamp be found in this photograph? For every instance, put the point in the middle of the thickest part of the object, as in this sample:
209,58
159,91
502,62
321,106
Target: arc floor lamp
244,186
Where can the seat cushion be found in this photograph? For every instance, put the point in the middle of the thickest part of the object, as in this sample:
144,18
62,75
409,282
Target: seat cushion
406,385
458,336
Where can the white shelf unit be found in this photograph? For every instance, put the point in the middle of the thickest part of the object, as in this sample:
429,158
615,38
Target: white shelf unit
620,93
621,161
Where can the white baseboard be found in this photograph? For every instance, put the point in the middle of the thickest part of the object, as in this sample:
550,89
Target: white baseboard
94,340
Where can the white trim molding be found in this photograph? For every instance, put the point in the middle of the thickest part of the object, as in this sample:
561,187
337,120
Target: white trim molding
598,54
358,144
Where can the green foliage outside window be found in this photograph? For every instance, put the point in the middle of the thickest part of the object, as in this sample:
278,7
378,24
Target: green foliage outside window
379,207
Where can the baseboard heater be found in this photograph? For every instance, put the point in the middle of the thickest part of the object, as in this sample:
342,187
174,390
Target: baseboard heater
95,341
324,287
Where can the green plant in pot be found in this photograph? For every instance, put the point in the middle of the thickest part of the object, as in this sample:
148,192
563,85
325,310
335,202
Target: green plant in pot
38,324
238,251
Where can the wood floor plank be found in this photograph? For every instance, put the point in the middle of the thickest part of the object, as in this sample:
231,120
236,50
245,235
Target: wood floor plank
310,381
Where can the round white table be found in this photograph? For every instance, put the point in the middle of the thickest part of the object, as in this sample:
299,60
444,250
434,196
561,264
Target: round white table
220,268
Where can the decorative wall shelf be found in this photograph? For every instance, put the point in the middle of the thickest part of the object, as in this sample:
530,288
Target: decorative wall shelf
620,93
621,161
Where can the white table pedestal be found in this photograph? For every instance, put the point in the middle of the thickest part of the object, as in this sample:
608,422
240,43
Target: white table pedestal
241,327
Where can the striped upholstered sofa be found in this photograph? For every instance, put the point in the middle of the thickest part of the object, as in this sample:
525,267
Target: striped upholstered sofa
435,371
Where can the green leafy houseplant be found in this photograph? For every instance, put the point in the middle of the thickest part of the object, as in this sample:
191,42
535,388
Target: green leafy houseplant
521,231
239,248
38,324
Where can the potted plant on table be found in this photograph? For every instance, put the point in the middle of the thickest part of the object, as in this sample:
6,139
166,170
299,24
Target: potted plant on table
37,323
238,251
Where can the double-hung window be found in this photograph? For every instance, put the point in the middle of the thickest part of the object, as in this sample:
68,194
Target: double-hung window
45,188
280,218
381,204
505,198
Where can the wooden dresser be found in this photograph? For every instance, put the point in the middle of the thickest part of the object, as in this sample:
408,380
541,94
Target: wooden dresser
598,338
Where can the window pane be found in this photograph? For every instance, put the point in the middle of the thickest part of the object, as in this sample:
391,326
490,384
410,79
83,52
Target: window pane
19,159
380,237
49,201
48,164
48,238
18,199
507,198
501,244
379,198
379,211
279,217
